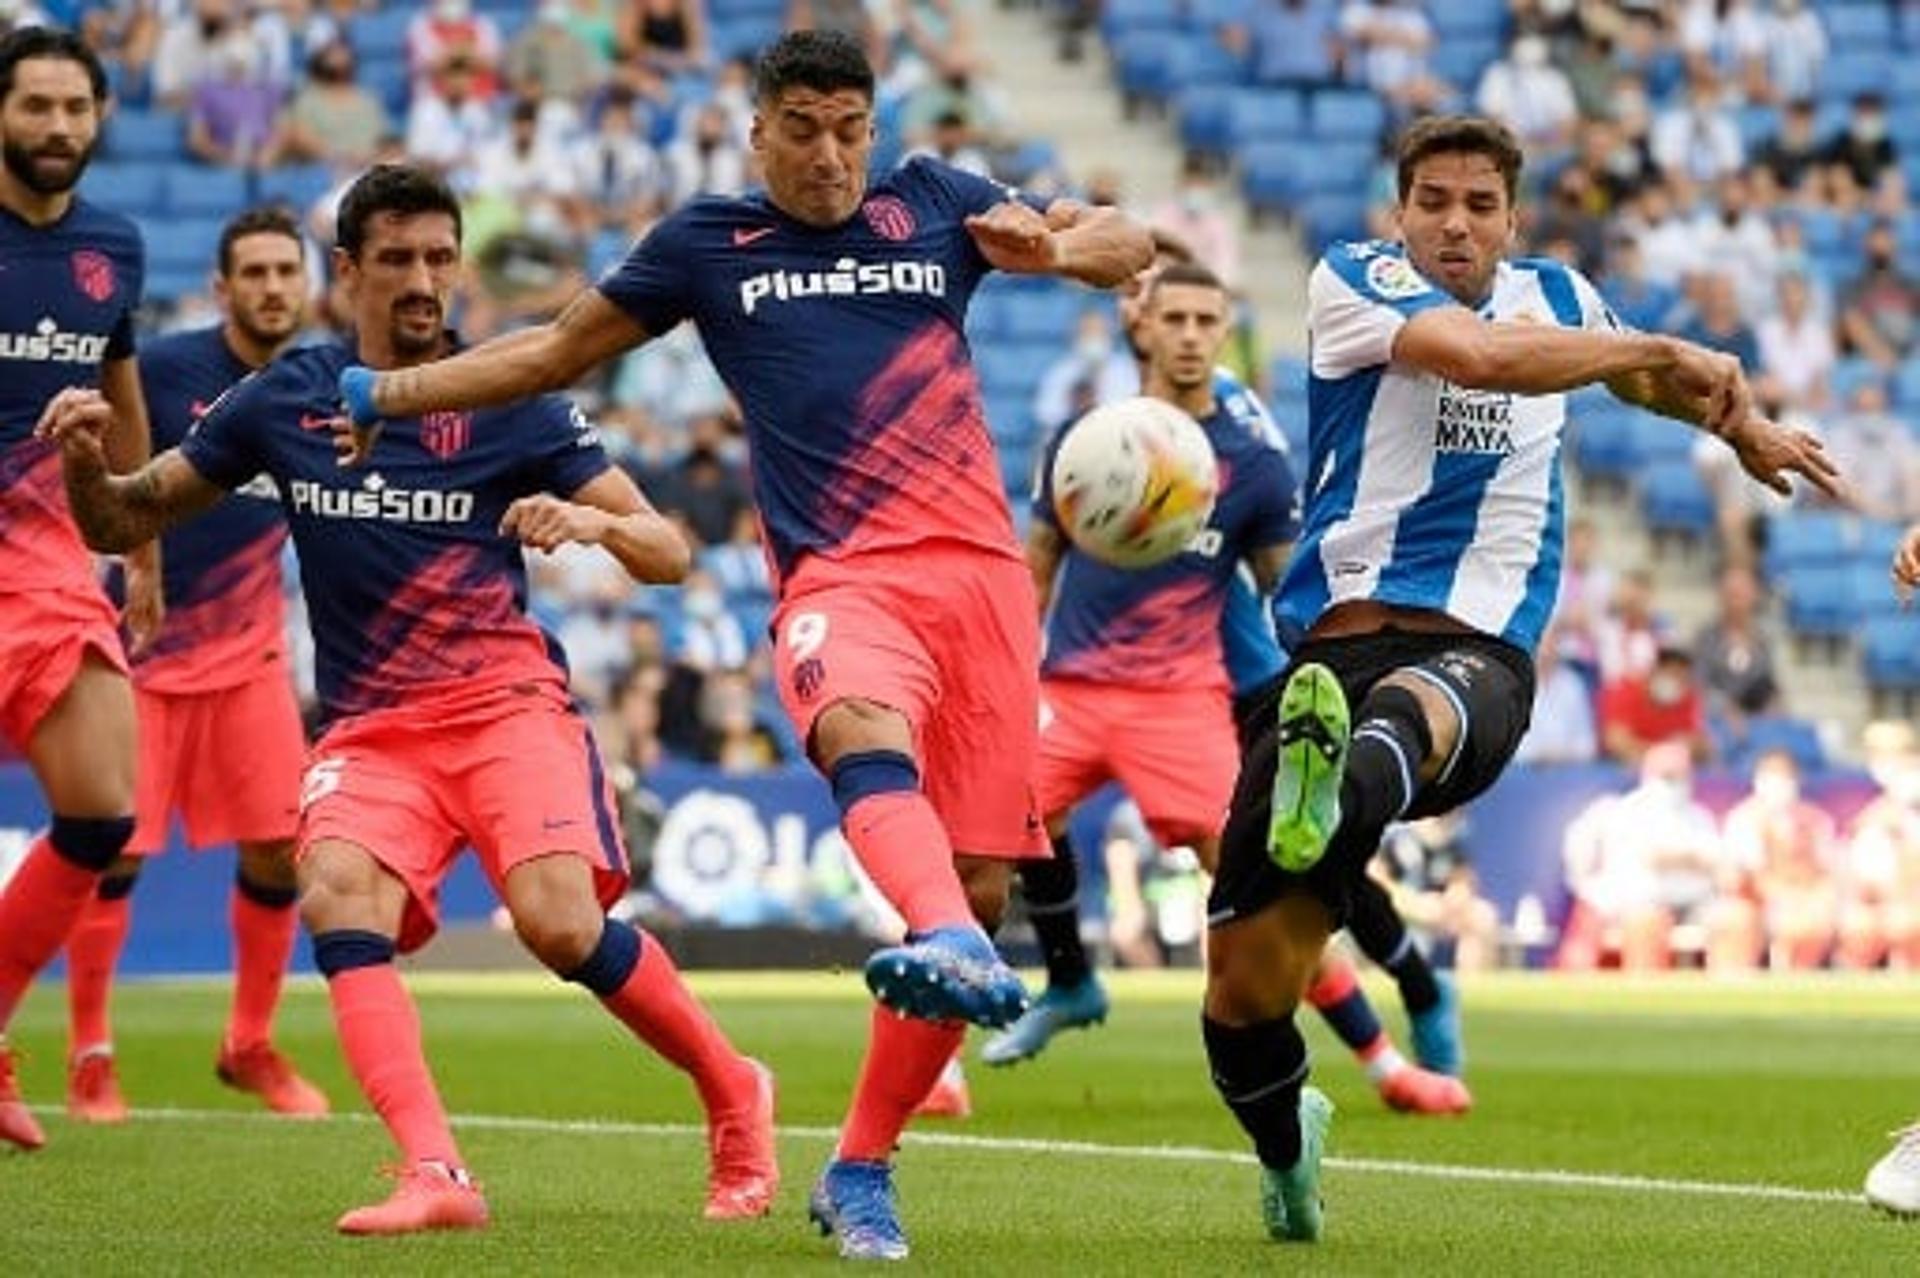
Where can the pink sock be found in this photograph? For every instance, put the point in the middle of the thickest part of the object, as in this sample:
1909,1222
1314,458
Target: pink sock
905,851
380,1037
262,944
37,912
657,1006
904,1061
93,951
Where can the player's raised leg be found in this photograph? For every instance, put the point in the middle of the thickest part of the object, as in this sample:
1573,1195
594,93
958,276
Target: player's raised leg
262,912
353,905
559,918
81,751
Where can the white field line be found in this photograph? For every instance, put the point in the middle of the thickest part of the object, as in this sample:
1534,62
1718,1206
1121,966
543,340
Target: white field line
1543,1178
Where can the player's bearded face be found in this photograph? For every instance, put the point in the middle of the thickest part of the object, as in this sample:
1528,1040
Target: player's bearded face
265,291
1457,223
813,149
403,281
48,125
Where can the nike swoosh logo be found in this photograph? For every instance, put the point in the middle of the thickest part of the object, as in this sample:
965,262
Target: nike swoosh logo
309,421
198,409
743,237
551,824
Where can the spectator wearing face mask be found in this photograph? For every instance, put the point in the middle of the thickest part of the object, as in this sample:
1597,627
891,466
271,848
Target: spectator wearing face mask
332,120
448,29
1781,854
708,160
1863,148
1197,216
1664,706
1098,370
1880,311
189,42
1639,865
1796,49
710,637
1530,95
549,53
234,115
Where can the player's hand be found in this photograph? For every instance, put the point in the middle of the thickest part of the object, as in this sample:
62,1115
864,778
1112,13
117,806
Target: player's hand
545,522
358,425
77,421
1014,238
1906,566
1769,451
1718,384
146,604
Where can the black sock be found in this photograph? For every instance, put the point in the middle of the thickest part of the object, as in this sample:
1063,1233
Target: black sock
1377,929
1052,891
1259,1070
1391,741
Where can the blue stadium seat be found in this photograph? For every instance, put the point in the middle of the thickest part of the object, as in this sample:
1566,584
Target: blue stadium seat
1016,467
199,189
1889,654
145,135
386,78
1143,64
382,33
1016,370
130,188
1767,733
1469,19
1807,538
1863,28
1849,375
1906,385
1348,115
1337,168
1206,118
1872,588
1202,59
1326,218
1605,443
1875,540
1210,15
1287,376
1673,500
1460,60
297,185
1271,174
1045,316
1265,115
1122,18
171,283
1658,441
1819,599
1847,74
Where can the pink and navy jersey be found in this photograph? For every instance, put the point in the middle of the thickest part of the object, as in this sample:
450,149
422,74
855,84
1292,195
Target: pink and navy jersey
67,296
413,596
1159,627
845,348
225,623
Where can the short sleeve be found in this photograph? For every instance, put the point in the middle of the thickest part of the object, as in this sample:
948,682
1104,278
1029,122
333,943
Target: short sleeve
969,193
1042,498
654,283
1276,519
1594,311
224,445
570,454
1357,299
120,342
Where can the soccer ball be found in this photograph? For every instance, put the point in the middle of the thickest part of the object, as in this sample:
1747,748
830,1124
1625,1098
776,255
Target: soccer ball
1133,481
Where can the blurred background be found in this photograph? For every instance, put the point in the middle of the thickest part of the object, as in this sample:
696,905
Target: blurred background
1721,771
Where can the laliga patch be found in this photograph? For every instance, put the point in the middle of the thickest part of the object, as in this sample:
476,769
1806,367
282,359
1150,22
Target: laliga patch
1395,279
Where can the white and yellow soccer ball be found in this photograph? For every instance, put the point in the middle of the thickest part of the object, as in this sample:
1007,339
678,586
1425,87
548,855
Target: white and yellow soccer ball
1134,481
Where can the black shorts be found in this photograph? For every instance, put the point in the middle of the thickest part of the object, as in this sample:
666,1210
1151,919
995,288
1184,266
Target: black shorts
1491,684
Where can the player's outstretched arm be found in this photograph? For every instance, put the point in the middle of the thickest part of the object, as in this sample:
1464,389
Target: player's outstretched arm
1098,246
607,511
116,513
517,365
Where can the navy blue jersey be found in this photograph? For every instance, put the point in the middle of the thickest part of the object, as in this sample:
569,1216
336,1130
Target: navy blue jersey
67,296
412,593
846,350
225,619
1160,627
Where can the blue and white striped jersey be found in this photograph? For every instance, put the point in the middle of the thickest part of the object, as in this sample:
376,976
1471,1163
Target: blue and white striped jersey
1420,493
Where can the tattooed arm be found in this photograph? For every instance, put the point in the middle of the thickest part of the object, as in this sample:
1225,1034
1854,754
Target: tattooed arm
115,513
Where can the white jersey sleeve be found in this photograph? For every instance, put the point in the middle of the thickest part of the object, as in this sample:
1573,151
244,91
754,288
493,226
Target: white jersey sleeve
1358,297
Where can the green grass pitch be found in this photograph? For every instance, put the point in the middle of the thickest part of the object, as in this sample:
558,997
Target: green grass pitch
592,1159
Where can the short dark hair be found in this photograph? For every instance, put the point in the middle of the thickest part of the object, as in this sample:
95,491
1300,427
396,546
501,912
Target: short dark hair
824,61
406,189
49,42
1189,273
1456,135
267,219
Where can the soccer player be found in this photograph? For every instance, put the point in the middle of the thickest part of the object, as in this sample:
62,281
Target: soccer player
220,736
907,650
1134,691
449,721
70,277
1426,572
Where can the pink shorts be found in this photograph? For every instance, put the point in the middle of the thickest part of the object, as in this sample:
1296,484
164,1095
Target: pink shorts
45,636
228,761
1172,749
515,775
949,637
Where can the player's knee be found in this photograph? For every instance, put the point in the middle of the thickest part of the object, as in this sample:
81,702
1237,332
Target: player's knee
852,726
267,868
92,843
987,885
1420,714
562,940
340,889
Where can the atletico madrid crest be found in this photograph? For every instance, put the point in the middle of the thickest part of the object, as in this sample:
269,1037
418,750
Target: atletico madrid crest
93,274
444,434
